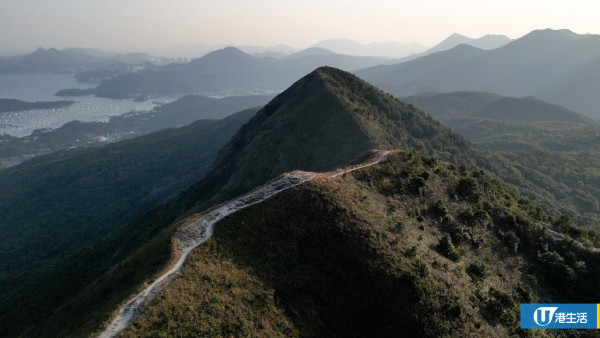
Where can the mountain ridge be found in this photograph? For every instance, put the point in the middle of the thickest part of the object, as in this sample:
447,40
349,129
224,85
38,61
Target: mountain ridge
292,132
323,248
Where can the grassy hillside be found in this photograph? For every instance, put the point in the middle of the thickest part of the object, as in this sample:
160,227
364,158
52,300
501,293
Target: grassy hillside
410,245
55,205
321,122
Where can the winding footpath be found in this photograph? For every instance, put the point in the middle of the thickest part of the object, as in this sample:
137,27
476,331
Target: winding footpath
201,230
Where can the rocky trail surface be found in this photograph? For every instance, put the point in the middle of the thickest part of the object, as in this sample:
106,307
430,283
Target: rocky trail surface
196,233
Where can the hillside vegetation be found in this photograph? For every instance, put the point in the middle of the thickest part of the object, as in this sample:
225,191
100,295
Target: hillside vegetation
55,205
411,245
537,138
322,122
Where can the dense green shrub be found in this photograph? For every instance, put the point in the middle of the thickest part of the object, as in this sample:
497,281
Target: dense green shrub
467,188
478,271
447,249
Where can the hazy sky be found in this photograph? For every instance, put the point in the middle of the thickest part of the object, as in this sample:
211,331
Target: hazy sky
149,25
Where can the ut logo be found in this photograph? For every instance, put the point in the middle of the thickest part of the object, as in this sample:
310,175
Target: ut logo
543,315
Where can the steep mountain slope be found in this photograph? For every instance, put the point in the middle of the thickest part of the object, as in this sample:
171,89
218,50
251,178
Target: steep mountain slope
280,138
411,246
77,196
55,205
321,122
526,66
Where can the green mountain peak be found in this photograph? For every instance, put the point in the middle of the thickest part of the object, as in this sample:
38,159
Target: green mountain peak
323,121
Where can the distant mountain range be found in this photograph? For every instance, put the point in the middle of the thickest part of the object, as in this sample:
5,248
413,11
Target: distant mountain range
229,71
196,51
485,42
409,51
71,60
48,60
558,66
390,50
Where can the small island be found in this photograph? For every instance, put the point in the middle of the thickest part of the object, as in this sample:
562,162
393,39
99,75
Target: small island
8,105
76,92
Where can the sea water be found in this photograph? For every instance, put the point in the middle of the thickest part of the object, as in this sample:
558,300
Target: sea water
42,87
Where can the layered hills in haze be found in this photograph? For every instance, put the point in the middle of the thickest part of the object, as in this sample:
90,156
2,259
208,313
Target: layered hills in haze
324,121
72,60
485,42
554,65
229,71
46,60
